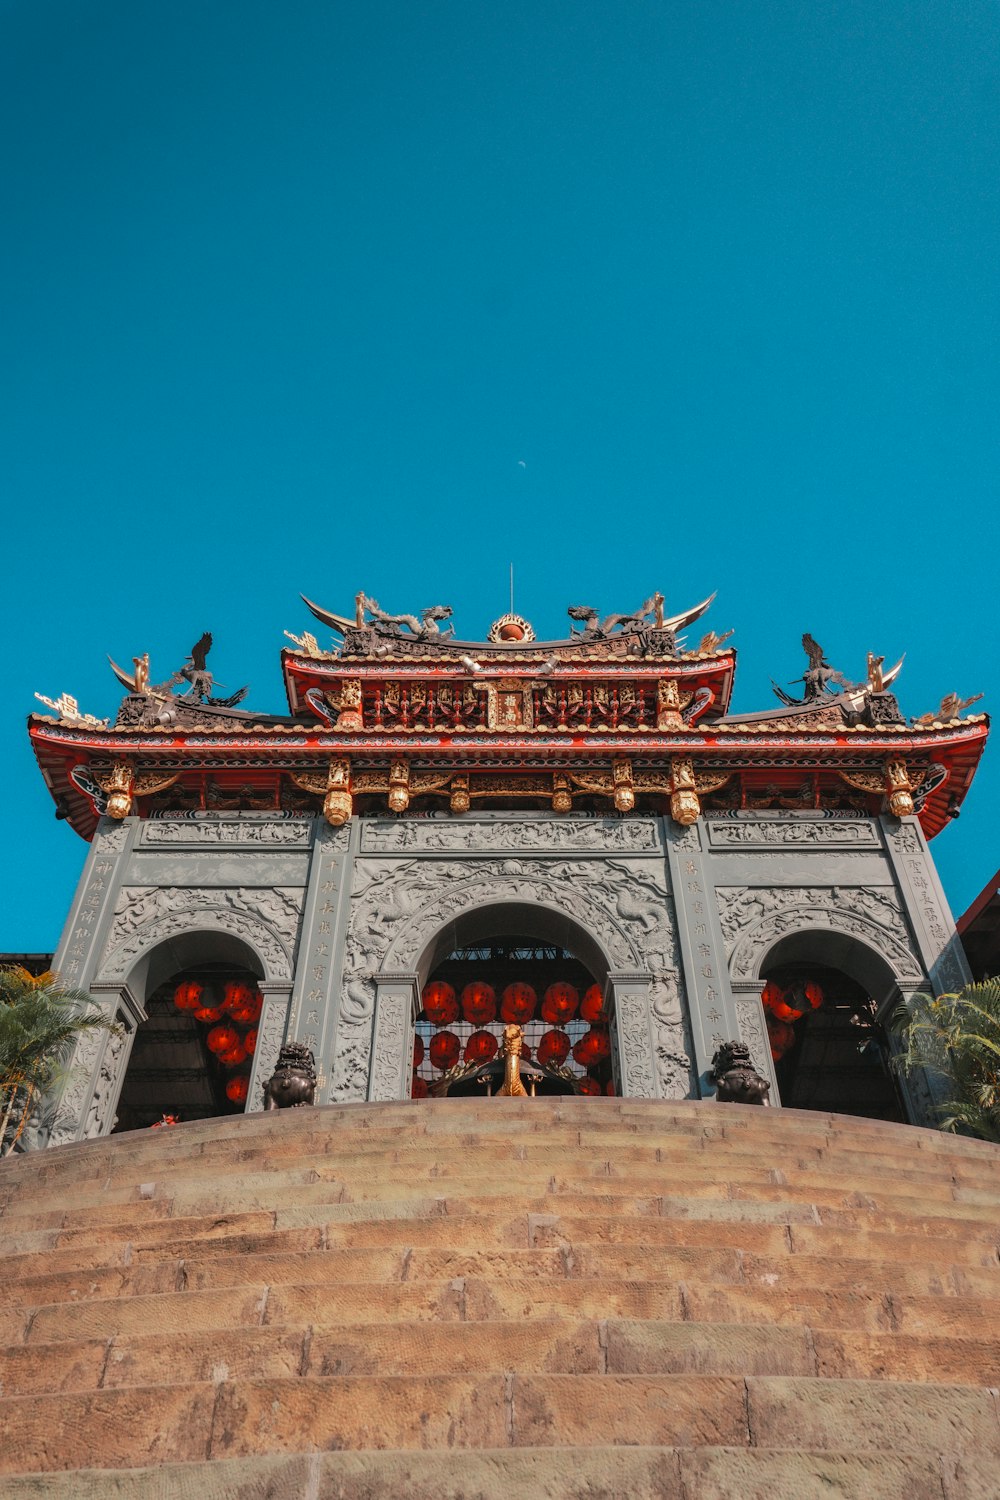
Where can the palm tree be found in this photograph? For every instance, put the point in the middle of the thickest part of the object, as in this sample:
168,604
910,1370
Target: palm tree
39,1021
957,1038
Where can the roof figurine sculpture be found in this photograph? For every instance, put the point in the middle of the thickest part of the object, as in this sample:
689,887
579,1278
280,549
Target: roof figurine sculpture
157,703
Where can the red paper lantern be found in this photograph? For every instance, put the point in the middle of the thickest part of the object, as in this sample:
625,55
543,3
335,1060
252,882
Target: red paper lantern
418,1050
782,1037
481,1047
418,1089
237,1088
517,1007
560,1003
592,1004
772,995
526,1052
233,1056
592,1047
805,995
553,1049
246,1012
236,993
250,1042
782,1011
588,1086
187,995
222,1038
444,1049
208,1013
609,1088
440,1004
479,1003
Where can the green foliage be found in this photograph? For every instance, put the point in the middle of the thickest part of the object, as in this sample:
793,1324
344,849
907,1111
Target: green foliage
39,1022
957,1038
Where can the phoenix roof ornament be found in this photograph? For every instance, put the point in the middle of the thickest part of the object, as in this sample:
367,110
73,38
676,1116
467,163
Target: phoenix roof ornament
194,672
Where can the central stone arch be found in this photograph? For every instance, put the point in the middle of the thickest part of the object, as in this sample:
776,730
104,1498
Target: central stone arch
512,900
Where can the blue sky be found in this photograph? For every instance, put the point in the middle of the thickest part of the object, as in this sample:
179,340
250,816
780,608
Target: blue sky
322,296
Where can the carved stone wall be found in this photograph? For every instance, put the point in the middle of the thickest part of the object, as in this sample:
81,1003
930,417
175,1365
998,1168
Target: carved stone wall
346,922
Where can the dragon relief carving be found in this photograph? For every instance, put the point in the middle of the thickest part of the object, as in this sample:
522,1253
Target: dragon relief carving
752,919
268,919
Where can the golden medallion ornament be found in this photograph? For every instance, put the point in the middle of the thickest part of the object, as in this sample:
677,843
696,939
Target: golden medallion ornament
510,628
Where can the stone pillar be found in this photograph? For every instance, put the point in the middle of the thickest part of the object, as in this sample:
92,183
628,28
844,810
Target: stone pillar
93,1075
627,1002
89,921
314,1011
714,1015
938,944
272,1028
397,1002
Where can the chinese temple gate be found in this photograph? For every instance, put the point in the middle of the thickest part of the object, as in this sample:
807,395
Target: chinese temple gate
446,838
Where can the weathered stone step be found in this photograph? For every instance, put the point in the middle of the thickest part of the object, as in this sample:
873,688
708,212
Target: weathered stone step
632,1473
267,1416
556,1345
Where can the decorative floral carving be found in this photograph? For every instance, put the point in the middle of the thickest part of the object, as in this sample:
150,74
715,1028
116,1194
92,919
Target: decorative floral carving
106,1086
632,1035
111,836
750,1020
71,1102
390,1044
270,1036
350,1069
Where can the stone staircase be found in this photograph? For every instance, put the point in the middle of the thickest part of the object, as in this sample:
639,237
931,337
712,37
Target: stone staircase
468,1299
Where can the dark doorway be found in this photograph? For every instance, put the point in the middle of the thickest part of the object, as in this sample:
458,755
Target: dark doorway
460,1027
835,1055
173,1069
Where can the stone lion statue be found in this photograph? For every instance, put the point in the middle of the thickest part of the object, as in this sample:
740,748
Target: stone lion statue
293,1082
737,1080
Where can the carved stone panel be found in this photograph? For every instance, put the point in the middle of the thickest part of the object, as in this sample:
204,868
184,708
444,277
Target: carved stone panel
818,832
538,835
632,1030
200,830
271,1029
937,940
753,1034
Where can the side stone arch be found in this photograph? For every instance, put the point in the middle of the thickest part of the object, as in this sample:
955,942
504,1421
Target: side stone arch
863,933
275,960
755,920
154,934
